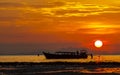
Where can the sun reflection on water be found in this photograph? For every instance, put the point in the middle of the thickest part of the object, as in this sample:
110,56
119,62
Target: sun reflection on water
41,58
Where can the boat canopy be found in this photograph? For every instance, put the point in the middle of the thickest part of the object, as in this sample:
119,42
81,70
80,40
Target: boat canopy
65,52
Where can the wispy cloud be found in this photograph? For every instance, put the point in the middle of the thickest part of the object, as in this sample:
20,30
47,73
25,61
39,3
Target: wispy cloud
11,4
69,17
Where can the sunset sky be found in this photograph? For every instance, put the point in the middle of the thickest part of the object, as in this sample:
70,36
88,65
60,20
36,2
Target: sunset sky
29,26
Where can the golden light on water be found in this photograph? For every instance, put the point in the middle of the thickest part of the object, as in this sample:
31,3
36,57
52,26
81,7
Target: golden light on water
41,58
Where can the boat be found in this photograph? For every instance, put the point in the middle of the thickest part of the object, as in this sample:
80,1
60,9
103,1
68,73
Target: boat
66,55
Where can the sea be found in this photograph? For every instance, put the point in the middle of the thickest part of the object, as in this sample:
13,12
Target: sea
58,69
41,58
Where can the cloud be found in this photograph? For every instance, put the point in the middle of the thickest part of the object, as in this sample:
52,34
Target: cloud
68,17
10,4
79,10
56,9
73,10
48,5
25,4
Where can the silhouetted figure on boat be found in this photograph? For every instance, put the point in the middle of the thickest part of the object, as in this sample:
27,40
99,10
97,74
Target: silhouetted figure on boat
77,52
91,56
38,54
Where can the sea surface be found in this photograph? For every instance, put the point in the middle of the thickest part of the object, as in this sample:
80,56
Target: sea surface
58,69
41,58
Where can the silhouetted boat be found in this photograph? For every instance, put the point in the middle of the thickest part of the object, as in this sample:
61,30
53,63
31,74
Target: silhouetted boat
66,55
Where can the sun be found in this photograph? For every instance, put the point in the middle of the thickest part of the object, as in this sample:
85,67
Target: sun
98,43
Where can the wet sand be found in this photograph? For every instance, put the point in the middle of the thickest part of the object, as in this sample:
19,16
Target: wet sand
59,68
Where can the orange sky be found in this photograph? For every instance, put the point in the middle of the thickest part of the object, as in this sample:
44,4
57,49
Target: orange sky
27,25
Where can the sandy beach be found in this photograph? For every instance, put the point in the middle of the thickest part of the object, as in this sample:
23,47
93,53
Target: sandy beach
59,68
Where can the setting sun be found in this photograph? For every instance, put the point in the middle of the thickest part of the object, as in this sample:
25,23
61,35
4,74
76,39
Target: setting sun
98,43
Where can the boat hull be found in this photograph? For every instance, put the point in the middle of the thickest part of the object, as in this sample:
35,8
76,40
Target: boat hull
63,56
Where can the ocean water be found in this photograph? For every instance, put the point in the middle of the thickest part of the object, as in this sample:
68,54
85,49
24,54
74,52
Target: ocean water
59,69
41,58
